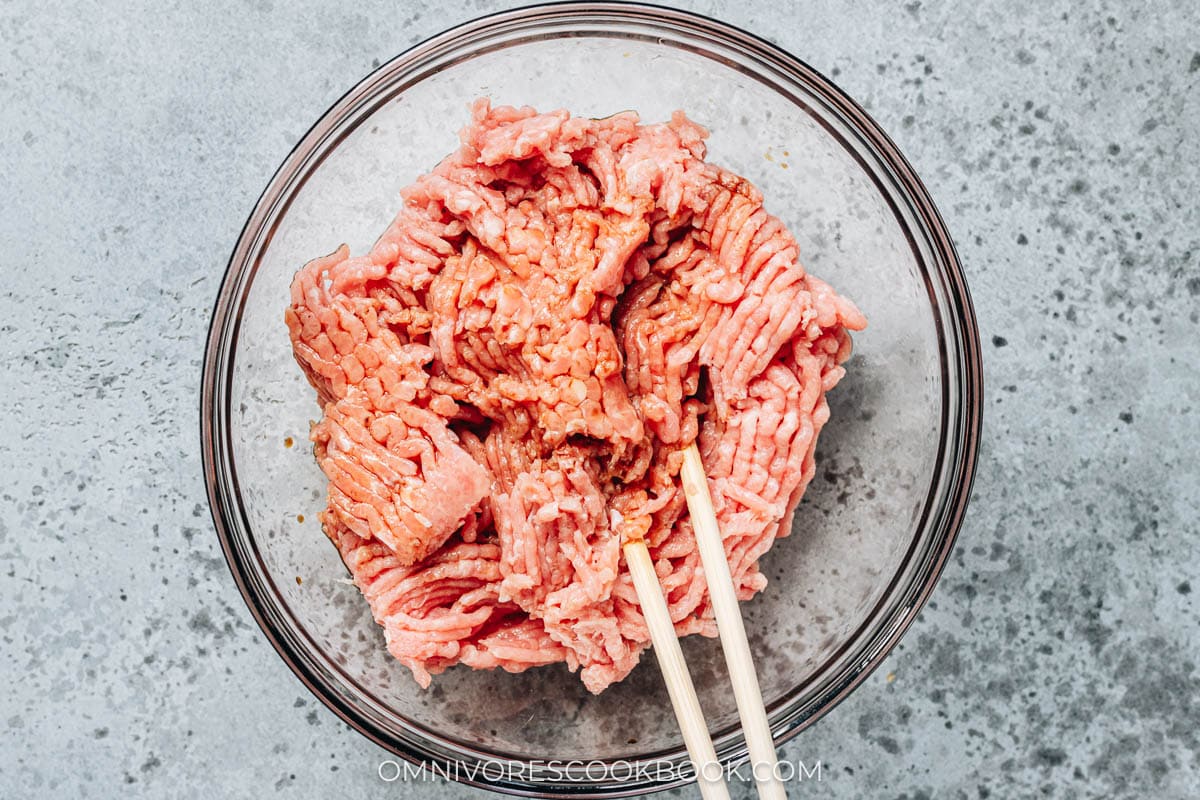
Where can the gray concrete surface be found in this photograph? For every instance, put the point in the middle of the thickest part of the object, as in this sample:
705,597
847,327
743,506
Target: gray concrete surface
1058,657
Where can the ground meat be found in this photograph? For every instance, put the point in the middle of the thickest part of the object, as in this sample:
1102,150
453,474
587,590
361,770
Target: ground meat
509,375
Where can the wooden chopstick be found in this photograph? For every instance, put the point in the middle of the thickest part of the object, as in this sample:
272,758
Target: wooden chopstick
738,660
674,670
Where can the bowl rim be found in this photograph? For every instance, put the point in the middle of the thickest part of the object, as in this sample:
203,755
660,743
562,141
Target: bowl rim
967,408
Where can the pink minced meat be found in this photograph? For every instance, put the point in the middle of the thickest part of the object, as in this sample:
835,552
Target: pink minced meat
509,376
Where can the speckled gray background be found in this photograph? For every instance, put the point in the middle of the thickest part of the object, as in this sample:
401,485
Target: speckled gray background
1058,657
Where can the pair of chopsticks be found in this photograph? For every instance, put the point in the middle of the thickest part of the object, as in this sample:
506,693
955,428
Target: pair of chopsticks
738,660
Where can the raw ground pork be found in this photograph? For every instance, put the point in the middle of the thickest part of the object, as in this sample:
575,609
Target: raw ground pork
509,375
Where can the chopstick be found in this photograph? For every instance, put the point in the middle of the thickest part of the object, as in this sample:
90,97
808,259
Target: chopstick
674,669
738,660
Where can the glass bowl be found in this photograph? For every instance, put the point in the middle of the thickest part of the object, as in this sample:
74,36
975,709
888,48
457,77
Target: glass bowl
894,465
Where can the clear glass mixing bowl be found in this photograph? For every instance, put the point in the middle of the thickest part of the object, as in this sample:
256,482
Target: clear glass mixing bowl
894,464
